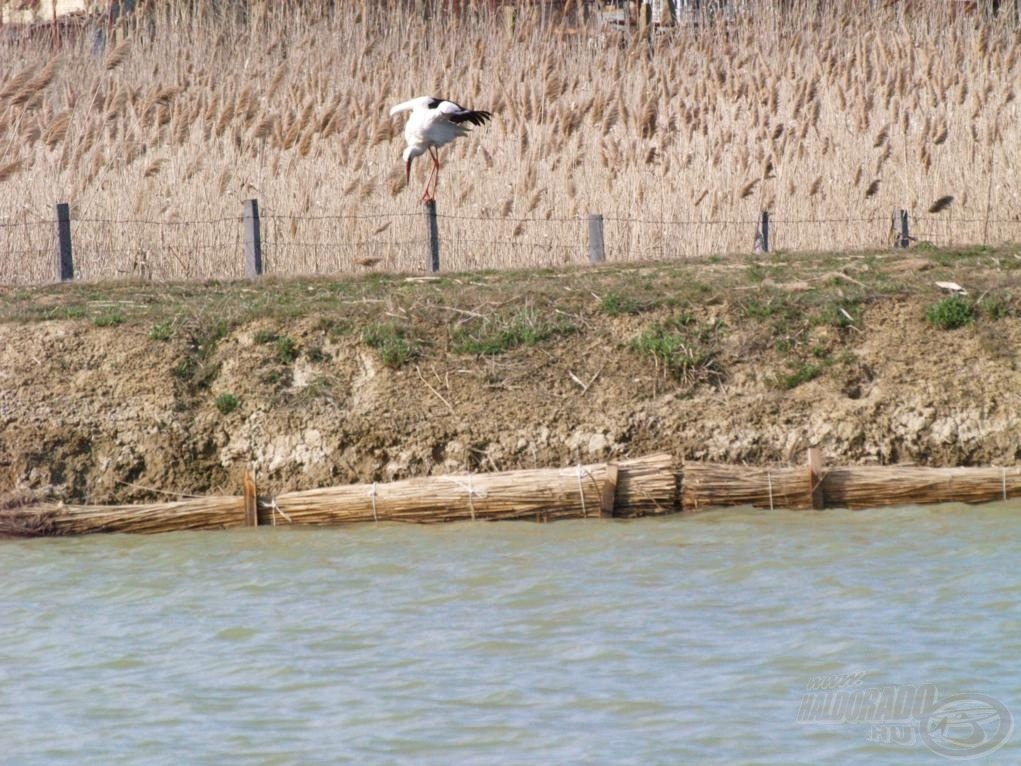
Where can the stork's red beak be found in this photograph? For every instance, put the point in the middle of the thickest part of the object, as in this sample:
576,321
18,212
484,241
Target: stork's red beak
407,172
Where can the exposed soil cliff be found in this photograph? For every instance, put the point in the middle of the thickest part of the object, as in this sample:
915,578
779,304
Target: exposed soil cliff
122,392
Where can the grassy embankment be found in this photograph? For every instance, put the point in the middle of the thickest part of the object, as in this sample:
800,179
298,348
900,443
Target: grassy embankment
802,314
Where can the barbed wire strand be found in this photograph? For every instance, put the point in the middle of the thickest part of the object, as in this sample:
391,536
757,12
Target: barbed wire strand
273,217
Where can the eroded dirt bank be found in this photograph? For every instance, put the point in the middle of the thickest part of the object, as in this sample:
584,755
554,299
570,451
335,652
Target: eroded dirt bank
113,393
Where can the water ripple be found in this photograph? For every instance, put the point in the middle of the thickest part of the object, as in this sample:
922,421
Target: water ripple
657,641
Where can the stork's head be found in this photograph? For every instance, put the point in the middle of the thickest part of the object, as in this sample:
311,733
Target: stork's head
409,154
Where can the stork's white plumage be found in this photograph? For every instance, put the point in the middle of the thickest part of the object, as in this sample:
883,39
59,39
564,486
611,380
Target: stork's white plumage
433,123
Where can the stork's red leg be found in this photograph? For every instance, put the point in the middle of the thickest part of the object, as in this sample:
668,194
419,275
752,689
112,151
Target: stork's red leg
429,194
436,169
426,196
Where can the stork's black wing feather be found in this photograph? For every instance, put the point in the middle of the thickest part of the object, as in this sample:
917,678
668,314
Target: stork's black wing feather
475,117
458,114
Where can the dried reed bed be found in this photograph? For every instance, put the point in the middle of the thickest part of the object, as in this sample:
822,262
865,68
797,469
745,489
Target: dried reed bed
828,117
59,520
868,486
646,485
638,487
709,485
714,485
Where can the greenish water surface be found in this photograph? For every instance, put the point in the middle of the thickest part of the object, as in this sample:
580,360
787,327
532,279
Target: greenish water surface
676,640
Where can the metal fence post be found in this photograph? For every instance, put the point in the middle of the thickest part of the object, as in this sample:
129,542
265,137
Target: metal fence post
901,235
64,261
596,251
253,239
432,263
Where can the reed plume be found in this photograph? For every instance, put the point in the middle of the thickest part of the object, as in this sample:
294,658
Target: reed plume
118,55
7,170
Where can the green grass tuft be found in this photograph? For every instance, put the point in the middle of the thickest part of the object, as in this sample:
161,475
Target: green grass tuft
802,374
951,313
316,355
108,320
493,336
619,304
162,331
994,307
185,369
286,349
226,403
394,344
686,348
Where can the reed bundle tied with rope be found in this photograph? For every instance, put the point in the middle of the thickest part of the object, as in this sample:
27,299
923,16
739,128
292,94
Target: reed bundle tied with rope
57,519
709,485
644,485
636,487
871,486
648,486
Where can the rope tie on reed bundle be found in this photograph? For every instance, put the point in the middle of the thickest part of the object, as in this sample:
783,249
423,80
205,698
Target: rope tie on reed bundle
480,493
372,497
769,481
277,509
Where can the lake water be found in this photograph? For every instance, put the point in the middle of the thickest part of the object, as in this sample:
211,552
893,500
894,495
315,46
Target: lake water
674,640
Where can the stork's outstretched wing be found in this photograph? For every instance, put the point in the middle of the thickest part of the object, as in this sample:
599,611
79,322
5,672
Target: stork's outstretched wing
458,114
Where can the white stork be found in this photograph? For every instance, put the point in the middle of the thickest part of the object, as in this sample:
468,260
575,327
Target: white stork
433,123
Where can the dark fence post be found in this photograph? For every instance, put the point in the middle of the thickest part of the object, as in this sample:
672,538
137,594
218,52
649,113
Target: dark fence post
432,263
596,251
64,261
253,239
901,235
762,235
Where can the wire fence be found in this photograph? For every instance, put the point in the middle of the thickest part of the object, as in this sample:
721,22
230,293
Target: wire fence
97,248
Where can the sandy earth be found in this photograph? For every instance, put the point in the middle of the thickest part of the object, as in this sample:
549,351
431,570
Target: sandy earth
96,414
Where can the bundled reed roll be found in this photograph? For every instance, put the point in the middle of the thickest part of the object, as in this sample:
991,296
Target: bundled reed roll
714,485
871,486
648,485
200,513
58,519
642,486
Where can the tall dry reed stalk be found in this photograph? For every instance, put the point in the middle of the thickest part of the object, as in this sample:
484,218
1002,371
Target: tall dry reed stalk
836,115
